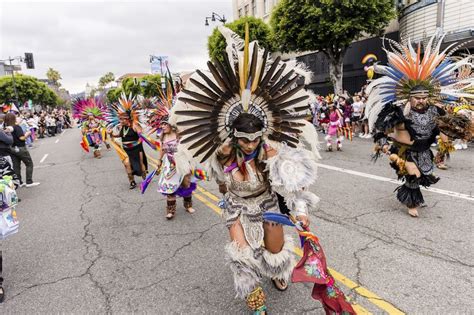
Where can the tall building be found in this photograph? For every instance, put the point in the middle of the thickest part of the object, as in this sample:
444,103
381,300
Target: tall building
257,8
6,69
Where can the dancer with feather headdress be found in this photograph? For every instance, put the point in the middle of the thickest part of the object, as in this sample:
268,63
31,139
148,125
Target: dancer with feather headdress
124,121
171,183
245,119
404,108
91,114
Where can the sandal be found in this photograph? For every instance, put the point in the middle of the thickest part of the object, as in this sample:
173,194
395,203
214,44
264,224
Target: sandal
2,295
280,285
190,210
133,184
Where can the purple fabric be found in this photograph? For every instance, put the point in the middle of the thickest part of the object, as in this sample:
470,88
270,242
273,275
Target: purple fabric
186,192
235,165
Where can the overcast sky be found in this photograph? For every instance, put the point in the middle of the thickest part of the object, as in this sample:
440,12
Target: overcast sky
85,39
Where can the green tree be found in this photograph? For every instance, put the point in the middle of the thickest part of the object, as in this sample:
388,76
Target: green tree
113,94
258,30
151,85
129,86
106,79
328,26
29,88
54,76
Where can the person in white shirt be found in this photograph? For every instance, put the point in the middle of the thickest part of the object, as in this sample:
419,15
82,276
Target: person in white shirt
357,113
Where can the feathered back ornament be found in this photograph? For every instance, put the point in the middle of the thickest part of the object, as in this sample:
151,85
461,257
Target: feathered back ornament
329,99
248,81
127,108
435,71
82,108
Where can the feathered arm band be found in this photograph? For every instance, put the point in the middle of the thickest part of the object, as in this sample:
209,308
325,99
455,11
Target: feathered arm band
292,171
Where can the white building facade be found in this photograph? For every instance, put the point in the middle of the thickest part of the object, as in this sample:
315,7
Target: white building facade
258,8
422,18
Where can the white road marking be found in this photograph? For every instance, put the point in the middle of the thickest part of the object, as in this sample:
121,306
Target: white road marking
57,140
64,131
394,181
44,158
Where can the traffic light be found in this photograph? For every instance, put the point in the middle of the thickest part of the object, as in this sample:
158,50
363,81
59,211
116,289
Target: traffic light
30,63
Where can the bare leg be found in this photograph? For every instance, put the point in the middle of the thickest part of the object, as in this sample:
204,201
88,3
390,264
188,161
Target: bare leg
128,169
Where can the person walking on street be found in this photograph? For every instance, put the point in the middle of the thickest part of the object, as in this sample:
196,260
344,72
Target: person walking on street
19,152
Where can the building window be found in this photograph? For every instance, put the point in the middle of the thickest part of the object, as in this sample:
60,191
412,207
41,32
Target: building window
266,6
240,13
246,10
254,8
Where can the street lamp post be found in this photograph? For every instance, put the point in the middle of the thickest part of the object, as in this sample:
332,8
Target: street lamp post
214,16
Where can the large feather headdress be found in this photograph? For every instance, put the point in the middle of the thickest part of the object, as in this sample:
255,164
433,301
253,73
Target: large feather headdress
443,77
126,107
157,112
82,108
248,81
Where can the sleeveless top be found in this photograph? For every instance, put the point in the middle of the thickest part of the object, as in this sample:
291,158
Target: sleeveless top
245,189
130,136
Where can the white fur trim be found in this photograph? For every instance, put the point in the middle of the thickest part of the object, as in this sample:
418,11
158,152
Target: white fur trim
279,265
301,202
245,268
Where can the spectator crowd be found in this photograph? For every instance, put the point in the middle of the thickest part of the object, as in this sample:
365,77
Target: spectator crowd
18,132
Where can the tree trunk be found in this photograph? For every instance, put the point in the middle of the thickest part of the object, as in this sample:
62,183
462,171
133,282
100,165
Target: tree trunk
336,71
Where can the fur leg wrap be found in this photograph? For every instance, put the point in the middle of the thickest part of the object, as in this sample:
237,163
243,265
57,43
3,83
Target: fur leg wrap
409,193
245,268
188,202
280,265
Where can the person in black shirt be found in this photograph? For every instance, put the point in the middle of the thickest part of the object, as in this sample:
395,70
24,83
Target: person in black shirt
19,152
136,164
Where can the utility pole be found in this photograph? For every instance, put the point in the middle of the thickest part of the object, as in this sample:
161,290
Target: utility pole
13,79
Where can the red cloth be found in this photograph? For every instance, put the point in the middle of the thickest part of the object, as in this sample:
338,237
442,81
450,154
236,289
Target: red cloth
313,268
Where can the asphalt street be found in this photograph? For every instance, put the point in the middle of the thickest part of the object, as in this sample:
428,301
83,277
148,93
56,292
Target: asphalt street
87,244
